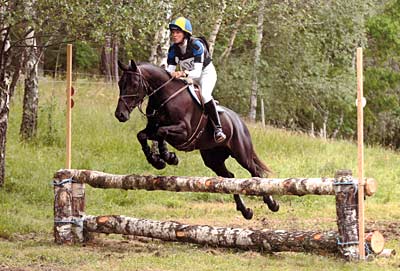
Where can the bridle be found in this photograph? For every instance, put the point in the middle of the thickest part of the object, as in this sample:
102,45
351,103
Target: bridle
149,92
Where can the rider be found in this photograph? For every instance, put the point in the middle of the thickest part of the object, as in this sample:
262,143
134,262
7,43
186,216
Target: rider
195,62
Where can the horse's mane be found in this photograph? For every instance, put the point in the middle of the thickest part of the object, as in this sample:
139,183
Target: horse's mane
154,67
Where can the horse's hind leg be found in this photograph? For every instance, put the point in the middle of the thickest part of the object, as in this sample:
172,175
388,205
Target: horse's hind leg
256,168
215,160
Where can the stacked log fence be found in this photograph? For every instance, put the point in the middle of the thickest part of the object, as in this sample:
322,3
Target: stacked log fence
72,225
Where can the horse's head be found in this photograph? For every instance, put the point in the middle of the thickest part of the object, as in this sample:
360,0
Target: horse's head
131,90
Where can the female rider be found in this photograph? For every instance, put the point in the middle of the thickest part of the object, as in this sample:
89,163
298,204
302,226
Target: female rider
195,62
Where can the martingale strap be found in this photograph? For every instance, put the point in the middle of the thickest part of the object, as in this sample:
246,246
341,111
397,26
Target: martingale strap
191,142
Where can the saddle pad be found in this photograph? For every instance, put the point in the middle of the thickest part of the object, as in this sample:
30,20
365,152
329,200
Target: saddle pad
192,92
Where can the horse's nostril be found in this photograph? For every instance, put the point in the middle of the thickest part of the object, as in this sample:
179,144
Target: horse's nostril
121,116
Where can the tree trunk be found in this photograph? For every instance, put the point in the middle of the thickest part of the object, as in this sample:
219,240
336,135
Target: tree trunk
259,240
17,63
235,30
156,44
5,81
257,52
115,48
106,60
214,33
161,42
31,94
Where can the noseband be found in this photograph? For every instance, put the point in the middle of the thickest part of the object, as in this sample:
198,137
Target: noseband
144,85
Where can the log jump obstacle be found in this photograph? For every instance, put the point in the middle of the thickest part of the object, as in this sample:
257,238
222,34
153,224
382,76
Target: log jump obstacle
72,225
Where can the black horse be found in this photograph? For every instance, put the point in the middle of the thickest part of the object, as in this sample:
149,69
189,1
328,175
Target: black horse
174,117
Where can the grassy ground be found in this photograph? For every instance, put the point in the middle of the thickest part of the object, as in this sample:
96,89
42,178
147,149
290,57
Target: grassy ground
100,142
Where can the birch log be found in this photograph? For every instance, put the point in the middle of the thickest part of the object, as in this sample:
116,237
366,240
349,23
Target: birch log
246,239
260,240
63,233
347,216
248,186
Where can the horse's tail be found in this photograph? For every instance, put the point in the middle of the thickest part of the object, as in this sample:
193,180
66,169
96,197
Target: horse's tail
261,168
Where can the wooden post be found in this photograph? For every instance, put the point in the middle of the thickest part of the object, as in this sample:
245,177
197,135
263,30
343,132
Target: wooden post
360,141
69,105
346,211
69,207
63,213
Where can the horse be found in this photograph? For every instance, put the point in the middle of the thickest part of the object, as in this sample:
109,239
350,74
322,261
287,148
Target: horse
174,117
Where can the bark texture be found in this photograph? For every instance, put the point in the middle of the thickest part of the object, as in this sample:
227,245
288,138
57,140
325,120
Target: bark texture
106,58
114,64
69,206
161,42
73,226
347,216
31,93
217,26
5,82
250,186
257,53
260,240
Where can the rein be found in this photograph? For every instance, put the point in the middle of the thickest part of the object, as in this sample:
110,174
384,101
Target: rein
145,85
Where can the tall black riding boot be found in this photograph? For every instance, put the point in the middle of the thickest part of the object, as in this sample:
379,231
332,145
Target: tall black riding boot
211,110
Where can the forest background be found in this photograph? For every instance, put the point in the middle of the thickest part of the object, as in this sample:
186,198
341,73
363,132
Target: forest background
297,57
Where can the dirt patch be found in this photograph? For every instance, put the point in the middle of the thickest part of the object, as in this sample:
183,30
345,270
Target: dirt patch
32,268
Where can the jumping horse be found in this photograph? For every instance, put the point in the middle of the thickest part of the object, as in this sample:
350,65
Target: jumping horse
174,117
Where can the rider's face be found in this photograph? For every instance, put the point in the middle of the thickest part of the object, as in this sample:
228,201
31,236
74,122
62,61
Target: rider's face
177,36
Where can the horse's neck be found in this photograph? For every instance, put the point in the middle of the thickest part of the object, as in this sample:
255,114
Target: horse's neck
157,77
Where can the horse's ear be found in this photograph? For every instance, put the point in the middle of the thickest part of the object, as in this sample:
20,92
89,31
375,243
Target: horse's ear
133,67
123,66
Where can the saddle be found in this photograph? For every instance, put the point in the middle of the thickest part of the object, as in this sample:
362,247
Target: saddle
195,91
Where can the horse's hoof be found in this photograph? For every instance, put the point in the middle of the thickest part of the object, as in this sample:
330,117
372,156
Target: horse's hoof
170,158
173,159
271,203
156,161
160,164
248,214
274,207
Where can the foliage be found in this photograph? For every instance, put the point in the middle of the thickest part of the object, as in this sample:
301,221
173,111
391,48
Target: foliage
382,80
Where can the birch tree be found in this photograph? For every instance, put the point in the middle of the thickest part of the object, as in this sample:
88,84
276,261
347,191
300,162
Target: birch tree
106,53
235,30
217,26
257,53
31,92
159,50
5,82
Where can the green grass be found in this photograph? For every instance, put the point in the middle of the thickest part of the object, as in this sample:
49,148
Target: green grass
100,142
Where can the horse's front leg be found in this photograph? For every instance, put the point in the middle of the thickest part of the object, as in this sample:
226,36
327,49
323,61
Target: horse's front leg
176,133
169,157
153,158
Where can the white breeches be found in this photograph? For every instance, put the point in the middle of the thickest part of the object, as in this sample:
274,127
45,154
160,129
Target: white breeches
207,82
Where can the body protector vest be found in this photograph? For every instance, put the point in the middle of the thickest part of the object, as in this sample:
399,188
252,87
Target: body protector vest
196,52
